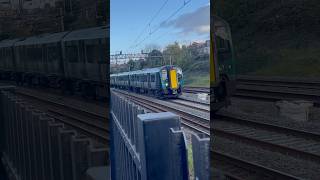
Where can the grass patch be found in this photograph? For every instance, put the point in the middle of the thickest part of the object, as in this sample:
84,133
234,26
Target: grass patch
294,63
197,74
198,79
289,63
190,161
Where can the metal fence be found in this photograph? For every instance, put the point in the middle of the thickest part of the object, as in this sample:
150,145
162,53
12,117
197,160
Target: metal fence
36,146
146,145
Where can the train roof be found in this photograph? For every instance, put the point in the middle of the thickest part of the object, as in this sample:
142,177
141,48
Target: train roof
28,41
90,33
143,71
8,42
42,39
52,38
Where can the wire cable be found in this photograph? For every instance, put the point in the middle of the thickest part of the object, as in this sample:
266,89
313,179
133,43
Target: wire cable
149,23
166,20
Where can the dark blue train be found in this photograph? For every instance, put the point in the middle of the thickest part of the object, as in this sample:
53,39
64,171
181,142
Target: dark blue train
165,81
75,61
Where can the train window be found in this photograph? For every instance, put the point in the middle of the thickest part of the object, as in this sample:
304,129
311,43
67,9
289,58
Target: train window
153,78
72,53
179,77
92,53
1,54
34,54
164,75
8,53
53,53
223,45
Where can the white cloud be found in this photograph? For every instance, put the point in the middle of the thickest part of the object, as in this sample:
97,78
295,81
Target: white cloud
203,29
194,22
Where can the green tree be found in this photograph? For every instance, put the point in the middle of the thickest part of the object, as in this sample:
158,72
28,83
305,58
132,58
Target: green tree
154,59
131,65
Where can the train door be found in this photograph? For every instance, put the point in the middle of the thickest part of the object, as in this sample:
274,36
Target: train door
92,60
39,59
103,63
149,81
82,60
5,59
45,66
72,59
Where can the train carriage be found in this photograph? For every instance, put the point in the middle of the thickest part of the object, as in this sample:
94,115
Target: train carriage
85,55
165,81
85,60
29,55
39,57
74,60
51,64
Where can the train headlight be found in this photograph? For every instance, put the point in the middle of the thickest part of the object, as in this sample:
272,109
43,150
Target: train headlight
166,84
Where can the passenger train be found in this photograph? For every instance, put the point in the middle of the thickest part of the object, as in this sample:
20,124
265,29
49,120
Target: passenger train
162,82
75,61
222,64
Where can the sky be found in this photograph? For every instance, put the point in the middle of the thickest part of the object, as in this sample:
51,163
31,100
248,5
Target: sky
137,24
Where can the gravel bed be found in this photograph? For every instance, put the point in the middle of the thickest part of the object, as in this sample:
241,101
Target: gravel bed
290,90
189,110
196,97
193,104
267,112
282,162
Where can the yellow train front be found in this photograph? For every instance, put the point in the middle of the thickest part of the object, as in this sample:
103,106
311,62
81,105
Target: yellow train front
171,81
162,82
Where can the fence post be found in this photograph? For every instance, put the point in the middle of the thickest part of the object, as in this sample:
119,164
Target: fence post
154,133
201,156
178,155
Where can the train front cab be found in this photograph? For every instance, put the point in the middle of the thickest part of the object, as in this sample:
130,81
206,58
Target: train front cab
222,65
170,81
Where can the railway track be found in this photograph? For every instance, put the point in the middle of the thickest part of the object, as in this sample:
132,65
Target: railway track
289,87
93,124
291,142
195,122
192,104
302,83
195,90
268,89
272,89
295,142
239,169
